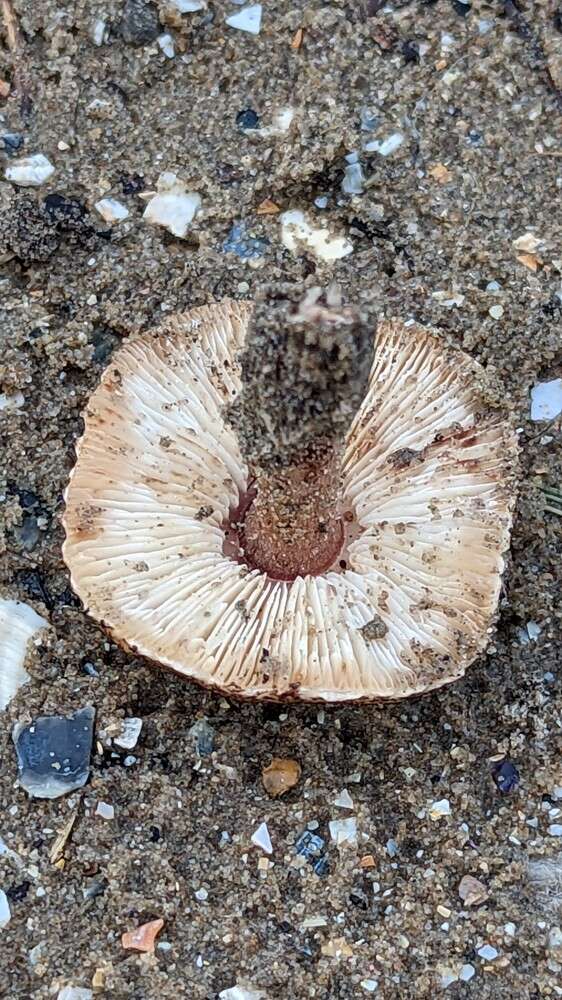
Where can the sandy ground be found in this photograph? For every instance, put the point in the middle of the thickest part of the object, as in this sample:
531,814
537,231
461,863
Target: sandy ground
472,91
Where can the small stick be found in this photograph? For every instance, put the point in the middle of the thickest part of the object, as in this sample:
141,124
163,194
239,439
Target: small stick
11,23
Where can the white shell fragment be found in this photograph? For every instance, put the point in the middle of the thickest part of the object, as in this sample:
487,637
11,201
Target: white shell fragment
385,147
172,206
546,400
242,992
30,171
166,43
11,401
428,472
75,993
18,624
130,732
280,123
247,19
343,831
298,233
261,838
111,210
187,6
343,800
105,811
5,914
439,809
528,243
100,32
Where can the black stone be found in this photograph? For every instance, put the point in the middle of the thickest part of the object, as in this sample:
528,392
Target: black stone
53,753
247,119
506,776
140,24
12,142
411,52
18,892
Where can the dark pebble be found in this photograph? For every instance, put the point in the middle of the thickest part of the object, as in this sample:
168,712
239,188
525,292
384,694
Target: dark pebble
104,343
32,583
12,142
204,736
53,753
506,776
140,24
461,8
28,533
411,52
18,892
132,183
66,212
247,119
245,247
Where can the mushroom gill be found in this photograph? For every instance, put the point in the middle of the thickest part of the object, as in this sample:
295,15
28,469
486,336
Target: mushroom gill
169,508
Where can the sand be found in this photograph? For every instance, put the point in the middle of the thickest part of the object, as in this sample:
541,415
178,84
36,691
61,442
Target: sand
474,102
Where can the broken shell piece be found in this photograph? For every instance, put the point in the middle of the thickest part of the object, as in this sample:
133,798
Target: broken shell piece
262,839
5,913
53,753
159,472
546,400
172,206
75,993
280,123
242,992
440,809
528,243
471,891
281,775
18,624
187,6
11,401
130,732
142,938
29,171
343,831
111,210
298,233
248,19
343,800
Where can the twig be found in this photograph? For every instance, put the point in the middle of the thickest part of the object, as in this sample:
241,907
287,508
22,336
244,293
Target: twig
11,23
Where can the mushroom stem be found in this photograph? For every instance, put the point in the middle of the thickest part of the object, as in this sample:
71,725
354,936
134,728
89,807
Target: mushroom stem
305,368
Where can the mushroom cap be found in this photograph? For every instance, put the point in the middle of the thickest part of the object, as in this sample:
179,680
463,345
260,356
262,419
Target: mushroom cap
429,474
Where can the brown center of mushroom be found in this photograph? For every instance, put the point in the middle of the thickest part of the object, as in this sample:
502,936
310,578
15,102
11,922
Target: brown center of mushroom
304,371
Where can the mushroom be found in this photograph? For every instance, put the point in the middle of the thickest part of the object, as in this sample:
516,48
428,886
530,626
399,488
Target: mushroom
263,507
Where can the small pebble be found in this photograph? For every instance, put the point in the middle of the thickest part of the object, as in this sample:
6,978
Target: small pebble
487,952
385,147
201,895
203,735
555,830
466,973
496,312
247,120
369,985
472,891
506,776
166,43
280,776
242,992
140,23
53,753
